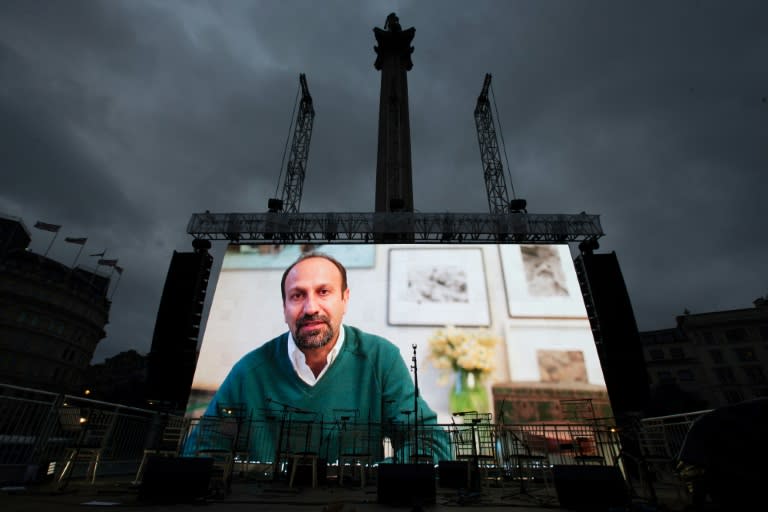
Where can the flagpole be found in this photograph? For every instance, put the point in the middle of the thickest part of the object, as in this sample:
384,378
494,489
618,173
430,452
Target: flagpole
78,255
56,233
119,275
93,274
100,255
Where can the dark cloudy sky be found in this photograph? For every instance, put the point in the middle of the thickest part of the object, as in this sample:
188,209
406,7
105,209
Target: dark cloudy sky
119,119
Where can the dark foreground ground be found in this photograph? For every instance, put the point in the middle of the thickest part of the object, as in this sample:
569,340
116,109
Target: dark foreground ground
248,493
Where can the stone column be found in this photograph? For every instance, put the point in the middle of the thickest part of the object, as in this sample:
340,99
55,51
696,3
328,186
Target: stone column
394,182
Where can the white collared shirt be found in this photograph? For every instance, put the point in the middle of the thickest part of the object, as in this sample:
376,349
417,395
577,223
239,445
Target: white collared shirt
299,361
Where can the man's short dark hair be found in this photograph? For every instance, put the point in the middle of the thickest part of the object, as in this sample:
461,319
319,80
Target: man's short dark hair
315,254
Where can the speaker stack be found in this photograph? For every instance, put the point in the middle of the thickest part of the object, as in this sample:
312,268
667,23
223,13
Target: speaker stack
457,474
590,488
406,484
175,479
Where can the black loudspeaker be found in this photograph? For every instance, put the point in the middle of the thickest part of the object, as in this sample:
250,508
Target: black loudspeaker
593,488
173,356
175,479
454,474
406,484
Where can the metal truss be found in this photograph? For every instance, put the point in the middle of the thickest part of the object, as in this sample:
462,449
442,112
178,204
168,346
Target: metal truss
297,162
398,227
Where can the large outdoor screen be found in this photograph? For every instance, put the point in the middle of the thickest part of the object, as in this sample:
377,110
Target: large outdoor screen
508,320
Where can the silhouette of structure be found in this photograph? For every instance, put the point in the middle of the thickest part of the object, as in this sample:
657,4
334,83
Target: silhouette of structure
173,355
394,182
615,331
52,316
296,169
708,360
394,218
120,379
493,170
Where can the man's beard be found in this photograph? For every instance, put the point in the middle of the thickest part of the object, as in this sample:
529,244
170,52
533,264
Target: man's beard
316,337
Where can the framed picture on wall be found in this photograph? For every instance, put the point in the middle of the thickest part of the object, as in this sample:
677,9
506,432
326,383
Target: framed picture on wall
540,281
437,287
553,351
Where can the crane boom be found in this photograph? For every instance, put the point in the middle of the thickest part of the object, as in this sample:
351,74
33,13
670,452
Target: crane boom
297,161
493,170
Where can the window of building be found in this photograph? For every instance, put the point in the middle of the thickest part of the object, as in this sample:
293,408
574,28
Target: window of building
676,353
656,354
761,391
755,374
665,376
736,335
716,355
709,338
685,375
764,332
725,375
745,354
666,337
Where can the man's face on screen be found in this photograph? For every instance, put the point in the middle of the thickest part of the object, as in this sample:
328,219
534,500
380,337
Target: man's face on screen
314,302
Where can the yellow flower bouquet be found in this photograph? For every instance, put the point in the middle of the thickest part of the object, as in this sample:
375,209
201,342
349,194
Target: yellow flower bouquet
469,356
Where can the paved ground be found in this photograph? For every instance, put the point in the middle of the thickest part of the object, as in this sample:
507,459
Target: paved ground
255,494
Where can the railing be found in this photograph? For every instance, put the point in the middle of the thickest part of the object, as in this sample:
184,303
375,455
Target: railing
659,441
38,429
576,443
662,437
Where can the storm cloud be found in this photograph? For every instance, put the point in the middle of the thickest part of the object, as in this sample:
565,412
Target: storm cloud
119,119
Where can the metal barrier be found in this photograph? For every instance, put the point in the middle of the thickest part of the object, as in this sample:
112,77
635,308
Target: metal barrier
568,443
39,430
662,437
260,441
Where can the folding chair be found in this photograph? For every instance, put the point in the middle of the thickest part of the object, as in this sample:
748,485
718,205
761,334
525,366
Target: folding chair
302,448
474,441
169,445
216,440
356,447
88,429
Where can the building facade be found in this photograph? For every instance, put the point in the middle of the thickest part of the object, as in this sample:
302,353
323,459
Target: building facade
51,316
709,359
120,379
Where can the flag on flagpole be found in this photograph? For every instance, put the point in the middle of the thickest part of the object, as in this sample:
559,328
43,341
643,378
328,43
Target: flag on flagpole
99,254
119,269
108,263
78,241
54,228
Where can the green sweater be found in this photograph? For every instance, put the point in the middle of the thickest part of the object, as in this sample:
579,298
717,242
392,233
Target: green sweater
368,381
